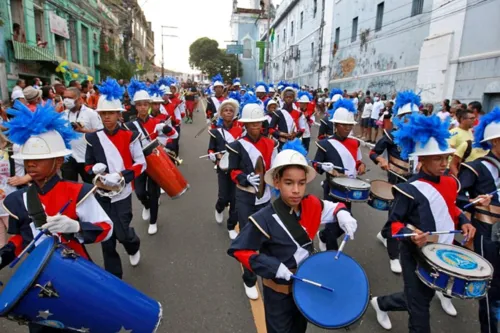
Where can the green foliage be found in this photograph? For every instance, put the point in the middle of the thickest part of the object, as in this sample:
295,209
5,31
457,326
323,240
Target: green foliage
205,55
120,68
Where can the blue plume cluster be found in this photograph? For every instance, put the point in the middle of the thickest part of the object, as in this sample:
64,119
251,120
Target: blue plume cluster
154,89
25,123
490,117
405,97
111,89
248,98
262,83
271,85
164,81
296,145
135,86
336,91
305,93
217,77
419,129
235,95
294,86
346,104
283,83
236,80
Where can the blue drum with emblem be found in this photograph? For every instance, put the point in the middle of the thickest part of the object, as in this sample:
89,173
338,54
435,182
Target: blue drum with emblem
381,196
455,271
349,189
341,308
55,287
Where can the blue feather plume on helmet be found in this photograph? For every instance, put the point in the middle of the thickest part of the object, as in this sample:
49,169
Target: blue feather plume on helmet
135,86
419,129
111,89
283,84
236,80
405,97
216,78
336,91
304,93
154,89
26,123
343,103
235,95
262,83
248,98
164,81
490,117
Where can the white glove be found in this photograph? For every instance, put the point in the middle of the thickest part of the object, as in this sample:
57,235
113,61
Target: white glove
159,128
99,168
208,121
327,166
61,224
347,223
212,157
254,179
283,273
111,179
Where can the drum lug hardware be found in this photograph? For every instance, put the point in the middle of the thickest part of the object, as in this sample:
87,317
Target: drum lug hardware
68,253
449,285
435,275
47,291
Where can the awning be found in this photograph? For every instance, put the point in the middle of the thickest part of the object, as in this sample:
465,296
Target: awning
72,65
23,51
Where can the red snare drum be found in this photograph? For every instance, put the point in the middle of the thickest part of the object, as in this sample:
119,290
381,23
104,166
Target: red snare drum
163,171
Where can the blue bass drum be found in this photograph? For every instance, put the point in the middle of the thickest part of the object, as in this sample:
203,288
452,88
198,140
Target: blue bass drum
455,271
332,310
54,287
349,189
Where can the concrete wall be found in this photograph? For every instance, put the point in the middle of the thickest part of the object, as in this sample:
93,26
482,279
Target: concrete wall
371,58
481,28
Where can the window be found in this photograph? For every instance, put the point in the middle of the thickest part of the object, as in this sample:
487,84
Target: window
278,41
301,19
74,44
60,46
312,51
284,35
17,13
315,8
380,16
247,49
85,46
354,29
417,7
337,36
291,29
39,22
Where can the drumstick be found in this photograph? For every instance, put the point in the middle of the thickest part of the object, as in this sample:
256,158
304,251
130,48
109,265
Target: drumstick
30,246
477,200
429,232
335,167
217,152
398,175
316,284
341,247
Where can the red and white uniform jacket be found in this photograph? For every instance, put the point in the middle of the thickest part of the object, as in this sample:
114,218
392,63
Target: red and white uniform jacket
170,107
344,153
213,104
95,225
179,109
147,129
121,151
265,242
220,136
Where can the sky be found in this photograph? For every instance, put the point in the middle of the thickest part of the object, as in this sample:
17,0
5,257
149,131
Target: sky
194,19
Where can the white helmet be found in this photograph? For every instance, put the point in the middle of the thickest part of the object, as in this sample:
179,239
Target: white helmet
288,157
336,97
304,99
271,102
431,148
343,116
232,102
46,145
252,113
492,131
103,104
260,88
407,108
141,95
156,99
166,90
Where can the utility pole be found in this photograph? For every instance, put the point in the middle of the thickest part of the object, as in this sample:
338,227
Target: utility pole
321,38
162,52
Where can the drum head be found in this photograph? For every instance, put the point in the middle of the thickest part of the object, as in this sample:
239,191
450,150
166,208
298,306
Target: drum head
337,309
260,170
382,189
457,260
351,183
26,274
148,149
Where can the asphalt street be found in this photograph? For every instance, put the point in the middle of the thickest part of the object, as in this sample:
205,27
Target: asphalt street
186,268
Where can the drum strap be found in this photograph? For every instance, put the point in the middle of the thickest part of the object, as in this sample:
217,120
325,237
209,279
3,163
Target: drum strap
35,208
292,224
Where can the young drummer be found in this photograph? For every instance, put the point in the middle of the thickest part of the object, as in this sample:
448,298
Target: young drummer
338,155
227,131
326,126
243,157
43,148
482,177
284,124
280,236
307,117
116,154
425,203
146,189
213,102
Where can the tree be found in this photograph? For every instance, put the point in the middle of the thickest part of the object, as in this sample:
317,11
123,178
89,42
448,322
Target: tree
205,55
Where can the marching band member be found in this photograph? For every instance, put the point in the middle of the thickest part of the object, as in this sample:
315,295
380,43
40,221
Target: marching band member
285,121
116,155
157,110
228,130
339,151
236,84
425,203
307,118
261,91
407,103
244,154
326,126
213,102
478,178
43,148
146,189
280,236
272,91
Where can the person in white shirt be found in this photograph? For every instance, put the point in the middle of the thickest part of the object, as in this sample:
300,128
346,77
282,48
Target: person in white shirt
444,113
366,118
378,106
83,120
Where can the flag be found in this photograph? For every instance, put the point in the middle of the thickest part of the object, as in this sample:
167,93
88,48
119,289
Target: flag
272,35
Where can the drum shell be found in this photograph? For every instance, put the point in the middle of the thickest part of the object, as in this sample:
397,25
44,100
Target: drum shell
163,171
89,297
378,202
347,194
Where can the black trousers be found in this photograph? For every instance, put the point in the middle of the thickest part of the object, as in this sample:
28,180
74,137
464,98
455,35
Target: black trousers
71,169
332,231
245,210
416,297
282,315
120,213
306,142
225,197
176,142
392,243
148,193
